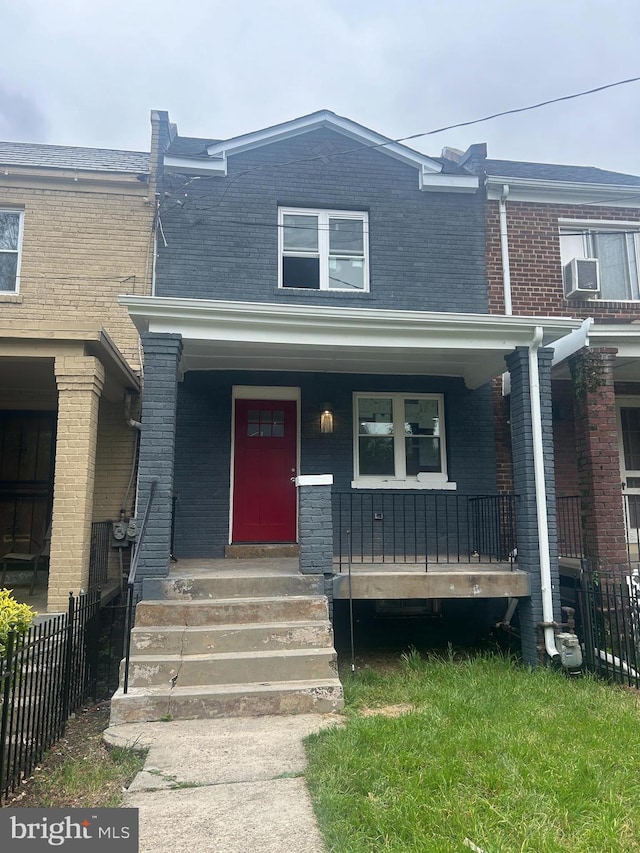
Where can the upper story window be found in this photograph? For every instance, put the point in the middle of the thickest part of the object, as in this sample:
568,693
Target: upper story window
323,249
399,441
616,245
10,241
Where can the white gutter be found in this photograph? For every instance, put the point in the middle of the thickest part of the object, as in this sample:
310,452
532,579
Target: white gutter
541,495
504,248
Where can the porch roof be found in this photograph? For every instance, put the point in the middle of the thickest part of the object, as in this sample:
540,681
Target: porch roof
228,335
625,337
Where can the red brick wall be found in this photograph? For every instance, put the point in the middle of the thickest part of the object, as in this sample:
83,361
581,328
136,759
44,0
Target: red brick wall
534,255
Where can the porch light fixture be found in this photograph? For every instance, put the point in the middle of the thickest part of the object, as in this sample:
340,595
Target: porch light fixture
326,419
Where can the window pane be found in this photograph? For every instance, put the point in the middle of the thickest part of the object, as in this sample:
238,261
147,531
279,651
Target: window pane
630,419
421,417
301,272
253,415
8,269
375,416
278,417
278,430
346,236
572,246
301,233
346,274
375,455
422,455
610,249
9,230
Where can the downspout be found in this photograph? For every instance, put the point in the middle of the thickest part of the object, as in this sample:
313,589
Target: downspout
504,249
541,496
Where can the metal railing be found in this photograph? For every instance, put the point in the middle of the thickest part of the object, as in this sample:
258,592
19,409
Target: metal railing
131,584
632,524
608,624
101,538
422,528
45,675
569,527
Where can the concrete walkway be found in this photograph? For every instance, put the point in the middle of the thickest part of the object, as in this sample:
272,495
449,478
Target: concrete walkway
229,785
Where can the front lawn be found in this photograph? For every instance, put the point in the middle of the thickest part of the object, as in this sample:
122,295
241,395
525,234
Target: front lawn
439,751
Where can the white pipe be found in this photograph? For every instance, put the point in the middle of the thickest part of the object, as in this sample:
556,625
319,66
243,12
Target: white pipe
541,495
504,248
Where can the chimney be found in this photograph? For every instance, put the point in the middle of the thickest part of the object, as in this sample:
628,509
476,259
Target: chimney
453,154
474,157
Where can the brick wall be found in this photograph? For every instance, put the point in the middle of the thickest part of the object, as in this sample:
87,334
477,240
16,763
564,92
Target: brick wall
534,255
426,249
203,441
84,243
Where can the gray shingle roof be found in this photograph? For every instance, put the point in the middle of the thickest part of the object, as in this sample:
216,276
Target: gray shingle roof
66,157
555,172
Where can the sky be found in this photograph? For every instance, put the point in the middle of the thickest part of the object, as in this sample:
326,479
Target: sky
88,72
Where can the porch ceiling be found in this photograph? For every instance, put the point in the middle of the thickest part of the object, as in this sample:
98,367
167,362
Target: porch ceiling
625,337
221,335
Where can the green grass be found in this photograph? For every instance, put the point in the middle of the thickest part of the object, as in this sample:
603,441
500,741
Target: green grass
512,759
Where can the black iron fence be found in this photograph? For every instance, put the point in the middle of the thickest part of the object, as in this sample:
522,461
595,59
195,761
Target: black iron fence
569,527
608,624
101,539
49,672
423,528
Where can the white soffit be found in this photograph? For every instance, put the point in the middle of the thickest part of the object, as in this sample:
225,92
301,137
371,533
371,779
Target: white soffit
220,334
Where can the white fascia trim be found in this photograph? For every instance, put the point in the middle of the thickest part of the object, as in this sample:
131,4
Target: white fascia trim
448,183
196,165
563,192
205,319
323,118
603,224
625,338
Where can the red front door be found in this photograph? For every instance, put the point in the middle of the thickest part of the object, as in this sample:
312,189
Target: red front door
264,498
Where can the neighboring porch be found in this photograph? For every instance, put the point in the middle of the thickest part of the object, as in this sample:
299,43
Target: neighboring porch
66,456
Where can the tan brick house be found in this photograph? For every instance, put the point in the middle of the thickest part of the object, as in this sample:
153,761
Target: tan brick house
75,231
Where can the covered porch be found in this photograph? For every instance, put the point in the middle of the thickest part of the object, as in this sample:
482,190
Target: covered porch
410,449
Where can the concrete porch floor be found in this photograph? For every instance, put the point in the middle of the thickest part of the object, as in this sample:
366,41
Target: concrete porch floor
378,580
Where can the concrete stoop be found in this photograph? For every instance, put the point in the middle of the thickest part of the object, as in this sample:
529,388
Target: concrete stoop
222,646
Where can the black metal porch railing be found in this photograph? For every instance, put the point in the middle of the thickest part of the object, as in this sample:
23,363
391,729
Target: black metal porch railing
45,675
131,584
423,528
101,537
608,625
632,524
569,527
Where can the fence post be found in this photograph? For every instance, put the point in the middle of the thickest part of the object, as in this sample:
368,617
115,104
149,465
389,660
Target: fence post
6,675
68,662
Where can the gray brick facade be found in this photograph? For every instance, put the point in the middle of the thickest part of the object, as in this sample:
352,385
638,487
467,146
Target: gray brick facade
157,443
524,487
427,249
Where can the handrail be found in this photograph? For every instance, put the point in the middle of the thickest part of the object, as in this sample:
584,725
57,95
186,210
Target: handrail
131,585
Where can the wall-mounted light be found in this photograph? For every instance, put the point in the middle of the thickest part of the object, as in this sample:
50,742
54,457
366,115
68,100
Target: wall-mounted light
326,419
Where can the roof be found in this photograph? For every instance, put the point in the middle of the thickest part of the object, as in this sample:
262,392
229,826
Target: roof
557,172
190,146
67,157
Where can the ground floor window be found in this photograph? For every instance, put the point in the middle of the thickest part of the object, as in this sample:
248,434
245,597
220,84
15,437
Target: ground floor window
399,441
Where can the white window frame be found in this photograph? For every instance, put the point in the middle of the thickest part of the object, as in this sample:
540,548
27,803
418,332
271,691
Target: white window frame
18,251
427,480
323,246
592,227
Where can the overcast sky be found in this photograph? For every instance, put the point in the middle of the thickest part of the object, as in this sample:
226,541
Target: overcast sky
88,72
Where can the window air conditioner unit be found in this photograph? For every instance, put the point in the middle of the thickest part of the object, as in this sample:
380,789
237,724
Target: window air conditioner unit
581,276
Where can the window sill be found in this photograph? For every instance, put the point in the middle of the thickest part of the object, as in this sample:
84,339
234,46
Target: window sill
317,290
434,482
11,297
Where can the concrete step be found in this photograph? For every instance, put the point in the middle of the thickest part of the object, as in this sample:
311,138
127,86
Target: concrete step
227,700
262,636
239,668
231,611
247,585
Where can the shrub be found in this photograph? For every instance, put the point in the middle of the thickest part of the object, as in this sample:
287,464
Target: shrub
13,614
